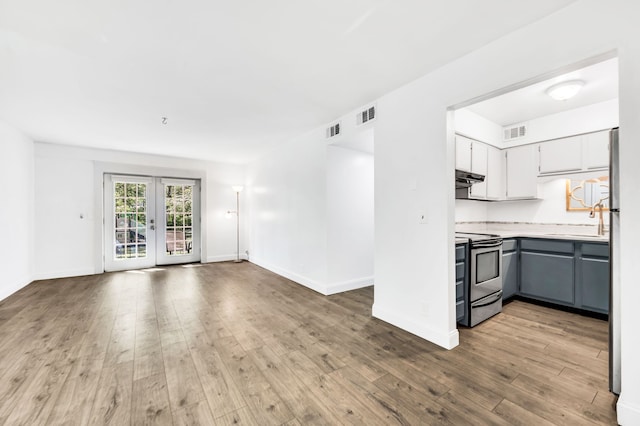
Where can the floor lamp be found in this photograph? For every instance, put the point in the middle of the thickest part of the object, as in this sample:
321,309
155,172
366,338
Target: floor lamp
237,189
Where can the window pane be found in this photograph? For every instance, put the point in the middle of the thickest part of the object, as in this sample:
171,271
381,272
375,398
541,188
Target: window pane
121,221
131,250
120,237
131,204
142,190
131,190
119,189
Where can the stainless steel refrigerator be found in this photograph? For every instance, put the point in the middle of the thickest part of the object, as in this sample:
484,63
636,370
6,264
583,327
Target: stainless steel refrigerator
614,256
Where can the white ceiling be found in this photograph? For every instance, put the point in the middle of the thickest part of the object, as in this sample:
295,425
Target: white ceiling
235,77
601,84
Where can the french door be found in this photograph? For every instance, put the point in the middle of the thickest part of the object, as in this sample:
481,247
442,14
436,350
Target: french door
150,221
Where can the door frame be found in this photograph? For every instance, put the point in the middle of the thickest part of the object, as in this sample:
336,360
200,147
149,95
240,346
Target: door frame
100,168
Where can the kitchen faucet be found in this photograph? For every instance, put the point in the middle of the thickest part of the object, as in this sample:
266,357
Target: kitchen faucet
592,214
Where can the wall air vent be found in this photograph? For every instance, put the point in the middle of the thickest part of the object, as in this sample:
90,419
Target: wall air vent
366,115
515,131
333,130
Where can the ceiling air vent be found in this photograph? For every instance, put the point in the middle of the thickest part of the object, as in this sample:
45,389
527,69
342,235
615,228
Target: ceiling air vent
333,130
366,115
515,131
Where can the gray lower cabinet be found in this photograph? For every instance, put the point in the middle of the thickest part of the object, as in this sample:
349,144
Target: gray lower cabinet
509,268
461,284
569,273
593,269
548,276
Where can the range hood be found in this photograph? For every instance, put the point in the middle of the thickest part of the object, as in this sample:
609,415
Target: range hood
466,179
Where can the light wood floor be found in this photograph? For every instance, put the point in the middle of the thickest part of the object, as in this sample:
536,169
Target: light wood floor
234,344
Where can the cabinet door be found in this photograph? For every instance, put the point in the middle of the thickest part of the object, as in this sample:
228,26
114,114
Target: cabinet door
596,150
479,165
495,174
547,276
509,274
462,279
463,153
561,155
522,172
595,284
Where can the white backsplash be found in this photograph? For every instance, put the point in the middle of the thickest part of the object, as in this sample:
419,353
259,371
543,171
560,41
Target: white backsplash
550,210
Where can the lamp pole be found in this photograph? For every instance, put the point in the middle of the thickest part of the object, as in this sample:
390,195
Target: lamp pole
237,189
238,227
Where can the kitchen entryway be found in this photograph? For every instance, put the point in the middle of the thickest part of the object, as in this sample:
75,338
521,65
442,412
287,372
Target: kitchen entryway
150,221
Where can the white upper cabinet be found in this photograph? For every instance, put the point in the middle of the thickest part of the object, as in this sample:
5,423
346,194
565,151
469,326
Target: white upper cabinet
596,150
575,154
495,174
561,155
479,165
463,153
522,172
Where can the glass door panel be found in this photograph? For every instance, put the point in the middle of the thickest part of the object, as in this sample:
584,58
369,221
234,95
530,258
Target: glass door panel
127,228
179,240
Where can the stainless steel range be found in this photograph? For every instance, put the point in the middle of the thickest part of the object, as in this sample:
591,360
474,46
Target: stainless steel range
485,272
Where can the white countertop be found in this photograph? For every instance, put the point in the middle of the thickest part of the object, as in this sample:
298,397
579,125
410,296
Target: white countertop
535,230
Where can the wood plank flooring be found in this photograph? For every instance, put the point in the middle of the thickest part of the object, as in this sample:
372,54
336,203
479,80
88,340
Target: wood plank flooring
226,343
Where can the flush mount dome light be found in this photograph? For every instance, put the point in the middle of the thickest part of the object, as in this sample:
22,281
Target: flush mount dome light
565,90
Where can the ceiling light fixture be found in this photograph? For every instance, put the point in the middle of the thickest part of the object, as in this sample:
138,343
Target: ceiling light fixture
565,90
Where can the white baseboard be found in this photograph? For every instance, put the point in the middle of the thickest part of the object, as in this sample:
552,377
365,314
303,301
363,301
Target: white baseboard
8,290
300,279
349,285
628,413
224,258
64,274
447,340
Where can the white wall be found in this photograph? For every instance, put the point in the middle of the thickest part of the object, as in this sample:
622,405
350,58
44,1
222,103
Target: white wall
591,118
471,211
311,208
16,210
414,274
549,210
68,184
288,223
475,126
350,230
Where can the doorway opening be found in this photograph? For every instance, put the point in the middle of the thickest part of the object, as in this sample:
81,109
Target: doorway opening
150,221
528,143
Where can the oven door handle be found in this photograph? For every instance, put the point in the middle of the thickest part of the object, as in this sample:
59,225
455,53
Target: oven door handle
487,244
483,302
